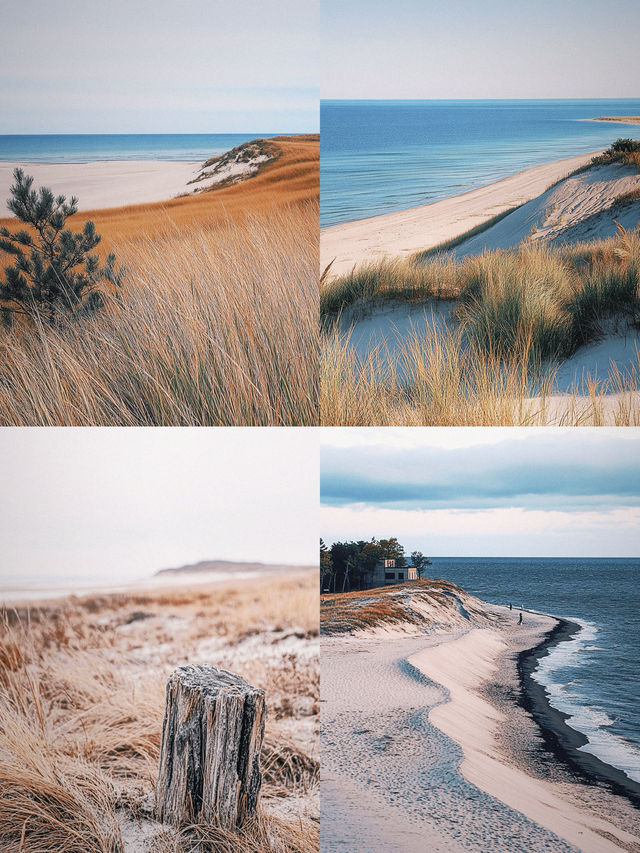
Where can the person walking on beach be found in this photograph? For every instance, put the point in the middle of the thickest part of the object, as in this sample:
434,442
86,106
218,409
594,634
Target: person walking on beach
510,605
520,619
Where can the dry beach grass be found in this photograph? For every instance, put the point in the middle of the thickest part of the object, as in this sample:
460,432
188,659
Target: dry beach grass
217,320
516,312
82,698
214,327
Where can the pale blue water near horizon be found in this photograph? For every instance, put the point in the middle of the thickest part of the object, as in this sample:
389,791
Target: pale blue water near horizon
90,147
595,676
382,156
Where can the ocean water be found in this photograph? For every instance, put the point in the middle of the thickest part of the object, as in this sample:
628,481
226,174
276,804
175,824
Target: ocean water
381,156
87,148
594,677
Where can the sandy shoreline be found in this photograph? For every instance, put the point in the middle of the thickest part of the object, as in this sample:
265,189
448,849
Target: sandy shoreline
105,184
412,742
408,231
37,594
617,119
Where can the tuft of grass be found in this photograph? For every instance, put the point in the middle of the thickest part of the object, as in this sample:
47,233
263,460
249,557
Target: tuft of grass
260,835
390,279
216,326
512,302
626,151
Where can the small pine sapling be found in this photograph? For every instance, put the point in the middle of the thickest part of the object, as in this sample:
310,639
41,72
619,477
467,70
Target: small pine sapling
54,270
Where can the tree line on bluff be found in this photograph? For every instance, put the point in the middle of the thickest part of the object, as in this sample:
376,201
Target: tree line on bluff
345,565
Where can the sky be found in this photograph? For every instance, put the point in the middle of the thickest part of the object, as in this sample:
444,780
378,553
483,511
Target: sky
159,66
116,504
490,49
485,492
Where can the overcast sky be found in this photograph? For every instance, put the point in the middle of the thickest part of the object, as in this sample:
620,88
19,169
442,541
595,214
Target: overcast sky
488,49
159,66
118,504
485,492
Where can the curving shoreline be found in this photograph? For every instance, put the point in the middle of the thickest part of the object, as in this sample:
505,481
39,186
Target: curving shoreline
403,233
559,738
589,817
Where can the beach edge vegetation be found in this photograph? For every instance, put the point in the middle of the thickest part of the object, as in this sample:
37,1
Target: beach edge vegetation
516,314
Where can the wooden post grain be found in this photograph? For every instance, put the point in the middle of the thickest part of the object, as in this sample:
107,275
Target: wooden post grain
210,753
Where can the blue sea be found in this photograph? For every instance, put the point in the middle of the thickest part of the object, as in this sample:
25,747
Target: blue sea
87,148
594,677
381,156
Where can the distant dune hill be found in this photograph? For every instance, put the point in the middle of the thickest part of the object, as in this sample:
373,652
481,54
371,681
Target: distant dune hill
290,177
229,566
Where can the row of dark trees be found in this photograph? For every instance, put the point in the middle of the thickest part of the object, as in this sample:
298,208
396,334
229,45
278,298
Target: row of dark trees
345,565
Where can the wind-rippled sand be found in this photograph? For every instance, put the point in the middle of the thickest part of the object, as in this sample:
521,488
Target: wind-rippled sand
391,780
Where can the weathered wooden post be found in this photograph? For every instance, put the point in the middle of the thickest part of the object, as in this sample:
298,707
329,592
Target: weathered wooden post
210,753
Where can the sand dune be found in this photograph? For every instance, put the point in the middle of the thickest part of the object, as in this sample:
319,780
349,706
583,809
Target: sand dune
584,207
291,178
409,231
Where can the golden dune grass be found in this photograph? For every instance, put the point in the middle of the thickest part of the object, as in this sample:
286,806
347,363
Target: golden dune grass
81,705
216,326
516,312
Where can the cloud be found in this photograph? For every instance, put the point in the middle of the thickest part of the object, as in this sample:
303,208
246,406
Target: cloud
566,469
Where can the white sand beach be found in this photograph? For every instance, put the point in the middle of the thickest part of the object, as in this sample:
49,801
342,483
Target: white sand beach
121,183
105,184
424,746
405,232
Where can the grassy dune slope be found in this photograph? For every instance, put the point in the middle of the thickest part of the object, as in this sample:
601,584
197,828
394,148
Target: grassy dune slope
519,314
416,606
291,179
81,705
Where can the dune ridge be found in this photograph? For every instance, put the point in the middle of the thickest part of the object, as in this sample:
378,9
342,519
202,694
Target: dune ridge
407,232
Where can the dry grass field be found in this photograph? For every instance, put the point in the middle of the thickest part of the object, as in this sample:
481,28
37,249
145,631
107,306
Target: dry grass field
216,323
81,703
